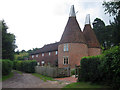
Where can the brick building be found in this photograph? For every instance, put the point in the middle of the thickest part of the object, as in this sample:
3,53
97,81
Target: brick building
74,45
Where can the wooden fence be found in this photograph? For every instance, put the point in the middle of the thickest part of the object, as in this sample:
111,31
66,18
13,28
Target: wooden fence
53,71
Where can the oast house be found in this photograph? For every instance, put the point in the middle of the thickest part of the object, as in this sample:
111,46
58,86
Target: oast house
73,45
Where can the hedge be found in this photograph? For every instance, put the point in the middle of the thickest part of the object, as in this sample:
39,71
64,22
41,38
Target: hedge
103,69
27,66
6,66
15,64
90,68
110,67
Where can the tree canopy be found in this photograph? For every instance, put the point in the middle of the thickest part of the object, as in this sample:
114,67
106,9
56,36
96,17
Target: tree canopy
108,36
8,43
113,8
103,33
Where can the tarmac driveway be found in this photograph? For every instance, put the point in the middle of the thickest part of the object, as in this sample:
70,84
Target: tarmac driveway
27,80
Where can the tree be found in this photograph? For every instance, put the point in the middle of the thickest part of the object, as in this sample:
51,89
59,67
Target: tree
8,43
116,32
21,56
113,8
103,33
99,28
0,39
23,51
33,50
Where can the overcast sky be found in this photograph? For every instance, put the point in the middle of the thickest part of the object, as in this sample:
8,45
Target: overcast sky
39,22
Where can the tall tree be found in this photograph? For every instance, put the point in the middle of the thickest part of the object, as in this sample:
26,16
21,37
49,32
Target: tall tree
0,39
103,33
99,28
113,8
8,43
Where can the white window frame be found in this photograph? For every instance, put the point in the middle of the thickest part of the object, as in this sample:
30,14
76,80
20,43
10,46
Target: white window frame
56,52
49,53
32,56
42,62
42,54
38,63
36,55
65,47
67,61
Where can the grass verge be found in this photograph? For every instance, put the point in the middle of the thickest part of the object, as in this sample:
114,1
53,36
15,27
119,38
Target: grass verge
7,76
18,71
42,77
84,85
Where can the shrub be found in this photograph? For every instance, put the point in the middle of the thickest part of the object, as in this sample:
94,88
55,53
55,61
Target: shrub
14,64
72,71
21,56
27,66
19,66
6,66
110,66
104,68
89,68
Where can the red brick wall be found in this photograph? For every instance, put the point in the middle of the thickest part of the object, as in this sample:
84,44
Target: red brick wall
75,53
94,51
47,59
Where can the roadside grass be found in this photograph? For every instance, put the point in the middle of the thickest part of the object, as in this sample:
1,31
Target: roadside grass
18,71
7,76
84,85
42,77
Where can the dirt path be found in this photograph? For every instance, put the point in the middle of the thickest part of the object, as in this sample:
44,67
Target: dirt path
26,80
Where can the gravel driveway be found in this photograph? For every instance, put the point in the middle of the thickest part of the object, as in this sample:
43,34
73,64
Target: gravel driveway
26,80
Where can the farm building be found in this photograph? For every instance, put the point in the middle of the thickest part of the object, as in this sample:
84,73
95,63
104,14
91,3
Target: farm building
73,45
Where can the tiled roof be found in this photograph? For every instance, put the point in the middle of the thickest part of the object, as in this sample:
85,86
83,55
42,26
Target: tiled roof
90,37
47,48
72,32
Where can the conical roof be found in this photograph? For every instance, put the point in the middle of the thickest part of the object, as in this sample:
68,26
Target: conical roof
89,34
72,32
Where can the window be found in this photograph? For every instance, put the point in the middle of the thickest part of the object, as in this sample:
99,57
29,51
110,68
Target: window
37,55
42,62
65,60
49,53
65,47
56,52
38,63
42,54
32,56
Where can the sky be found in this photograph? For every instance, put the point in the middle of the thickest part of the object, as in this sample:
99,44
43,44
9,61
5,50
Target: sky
39,22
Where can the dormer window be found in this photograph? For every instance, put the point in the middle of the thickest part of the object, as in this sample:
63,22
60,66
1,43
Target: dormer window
49,53
65,47
42,54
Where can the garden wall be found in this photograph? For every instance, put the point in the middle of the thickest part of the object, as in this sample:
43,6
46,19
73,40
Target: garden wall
52,71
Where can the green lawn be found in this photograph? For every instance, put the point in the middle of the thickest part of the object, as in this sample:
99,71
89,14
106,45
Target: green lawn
42,77
84,85
7,76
